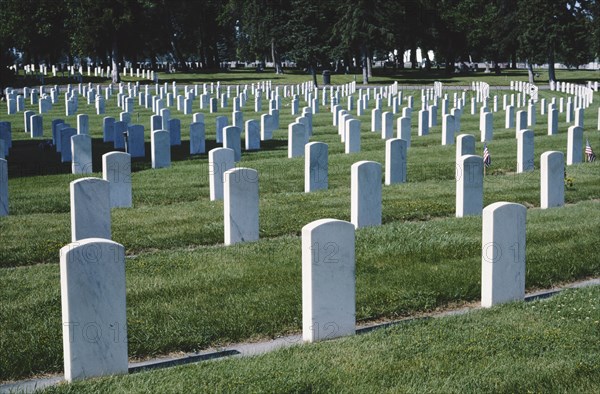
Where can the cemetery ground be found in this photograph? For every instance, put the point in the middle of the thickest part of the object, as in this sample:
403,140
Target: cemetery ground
187,292
381,76
540,346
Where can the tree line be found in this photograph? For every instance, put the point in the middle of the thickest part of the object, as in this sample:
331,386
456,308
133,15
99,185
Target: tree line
347,35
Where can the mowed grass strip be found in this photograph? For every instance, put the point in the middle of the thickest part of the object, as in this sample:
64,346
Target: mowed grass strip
172,209
243,76
187,300
540,346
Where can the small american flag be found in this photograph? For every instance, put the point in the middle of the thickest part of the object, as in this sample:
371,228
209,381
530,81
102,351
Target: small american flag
487,159
589,152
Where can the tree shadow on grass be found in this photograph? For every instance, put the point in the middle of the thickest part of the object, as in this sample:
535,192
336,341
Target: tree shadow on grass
39,157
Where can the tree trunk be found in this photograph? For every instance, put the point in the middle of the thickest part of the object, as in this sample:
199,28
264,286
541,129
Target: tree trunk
513,64
530,72
276,59
551,72
449,64
369,64
427,59
116,78
313,72
413,56
365,72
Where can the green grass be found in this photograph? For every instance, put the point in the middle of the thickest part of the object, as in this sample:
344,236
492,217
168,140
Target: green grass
380,76
191,299
540,346
186,291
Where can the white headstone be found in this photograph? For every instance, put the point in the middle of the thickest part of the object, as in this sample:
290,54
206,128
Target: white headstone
266,127
465,145
160,147
525,151
510,117
387,125
376,120
241,205
220,160
232,139
328,280
221,123
90,209
37,126
574,145
65,143
395,161
175,132
252,135
94,320
521,122
448,129
296,139
116,169
83,124
197,138
352,140
486,127
403,129
503,253
552,121
81,151
469,185
423,122
552,183
365,191
316,166
3,187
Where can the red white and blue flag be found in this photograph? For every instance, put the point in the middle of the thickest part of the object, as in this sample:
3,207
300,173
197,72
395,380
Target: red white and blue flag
487,159
589,153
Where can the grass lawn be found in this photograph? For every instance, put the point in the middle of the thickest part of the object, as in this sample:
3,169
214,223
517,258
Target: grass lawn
542,346
186,291
380,76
